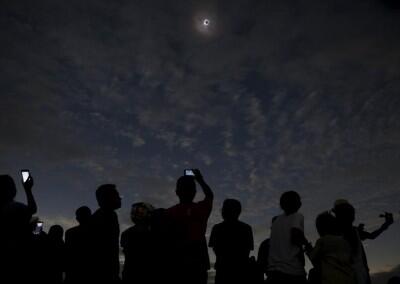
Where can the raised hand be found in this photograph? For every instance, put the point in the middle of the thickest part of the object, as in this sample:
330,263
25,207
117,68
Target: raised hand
28,184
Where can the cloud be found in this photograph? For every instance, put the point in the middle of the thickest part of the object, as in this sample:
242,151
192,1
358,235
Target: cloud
300,96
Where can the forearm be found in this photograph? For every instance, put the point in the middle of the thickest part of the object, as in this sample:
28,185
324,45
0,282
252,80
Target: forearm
373,235
206,189
31,201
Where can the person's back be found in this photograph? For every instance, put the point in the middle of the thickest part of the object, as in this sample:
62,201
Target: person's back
16,241
77,243
54,255
137,243
232,241
331,255
345,214
188,220
286,258
104,229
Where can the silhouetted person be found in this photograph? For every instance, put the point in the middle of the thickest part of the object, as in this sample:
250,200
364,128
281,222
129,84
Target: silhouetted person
138,244
331,256
263,254
55,255
105,236
163,266
286,258
232,241
16,235
394,280
77,243
188,221
345,214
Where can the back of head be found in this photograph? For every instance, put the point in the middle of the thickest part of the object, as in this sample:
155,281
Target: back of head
8,190
186,188
290,202
326,224
83,214
231,209
108,197
56,232
344,212
141,212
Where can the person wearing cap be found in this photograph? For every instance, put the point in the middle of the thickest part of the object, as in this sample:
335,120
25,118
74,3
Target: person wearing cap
345,215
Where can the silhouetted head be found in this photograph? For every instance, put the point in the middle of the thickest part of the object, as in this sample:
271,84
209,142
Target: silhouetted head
394,280
82,214
56,232
108,197
141,212
186,189
8,191
231,209
326,224
290,202
344,212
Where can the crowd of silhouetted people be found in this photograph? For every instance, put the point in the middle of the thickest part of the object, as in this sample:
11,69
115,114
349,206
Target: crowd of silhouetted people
170,245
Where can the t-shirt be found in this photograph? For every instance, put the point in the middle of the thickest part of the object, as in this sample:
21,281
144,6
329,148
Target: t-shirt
77,243
189,224
232,243
105,244
191,218
138,246
332,256
359,259
284,256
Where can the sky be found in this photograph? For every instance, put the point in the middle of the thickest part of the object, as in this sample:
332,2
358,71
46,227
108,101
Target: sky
270,96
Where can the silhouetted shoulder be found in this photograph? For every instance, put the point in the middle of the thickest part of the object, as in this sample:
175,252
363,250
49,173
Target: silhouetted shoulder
72,231
132,234
245,226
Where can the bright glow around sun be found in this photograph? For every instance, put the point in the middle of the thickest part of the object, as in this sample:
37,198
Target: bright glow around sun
205,23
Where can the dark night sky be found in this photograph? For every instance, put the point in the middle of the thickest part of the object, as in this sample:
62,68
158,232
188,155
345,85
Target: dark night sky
271,96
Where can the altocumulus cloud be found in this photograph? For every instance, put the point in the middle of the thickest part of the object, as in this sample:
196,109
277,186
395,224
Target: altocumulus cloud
300,95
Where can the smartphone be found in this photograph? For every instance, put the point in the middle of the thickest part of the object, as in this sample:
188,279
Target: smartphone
38,228
25,175
188,172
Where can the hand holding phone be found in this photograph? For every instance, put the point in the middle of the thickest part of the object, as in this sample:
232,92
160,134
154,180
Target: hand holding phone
388,218
188,172
38,228
197,174
25,175
27,179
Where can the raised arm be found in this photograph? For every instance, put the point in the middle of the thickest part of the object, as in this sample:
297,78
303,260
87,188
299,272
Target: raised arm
204,186
29,195
364,235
